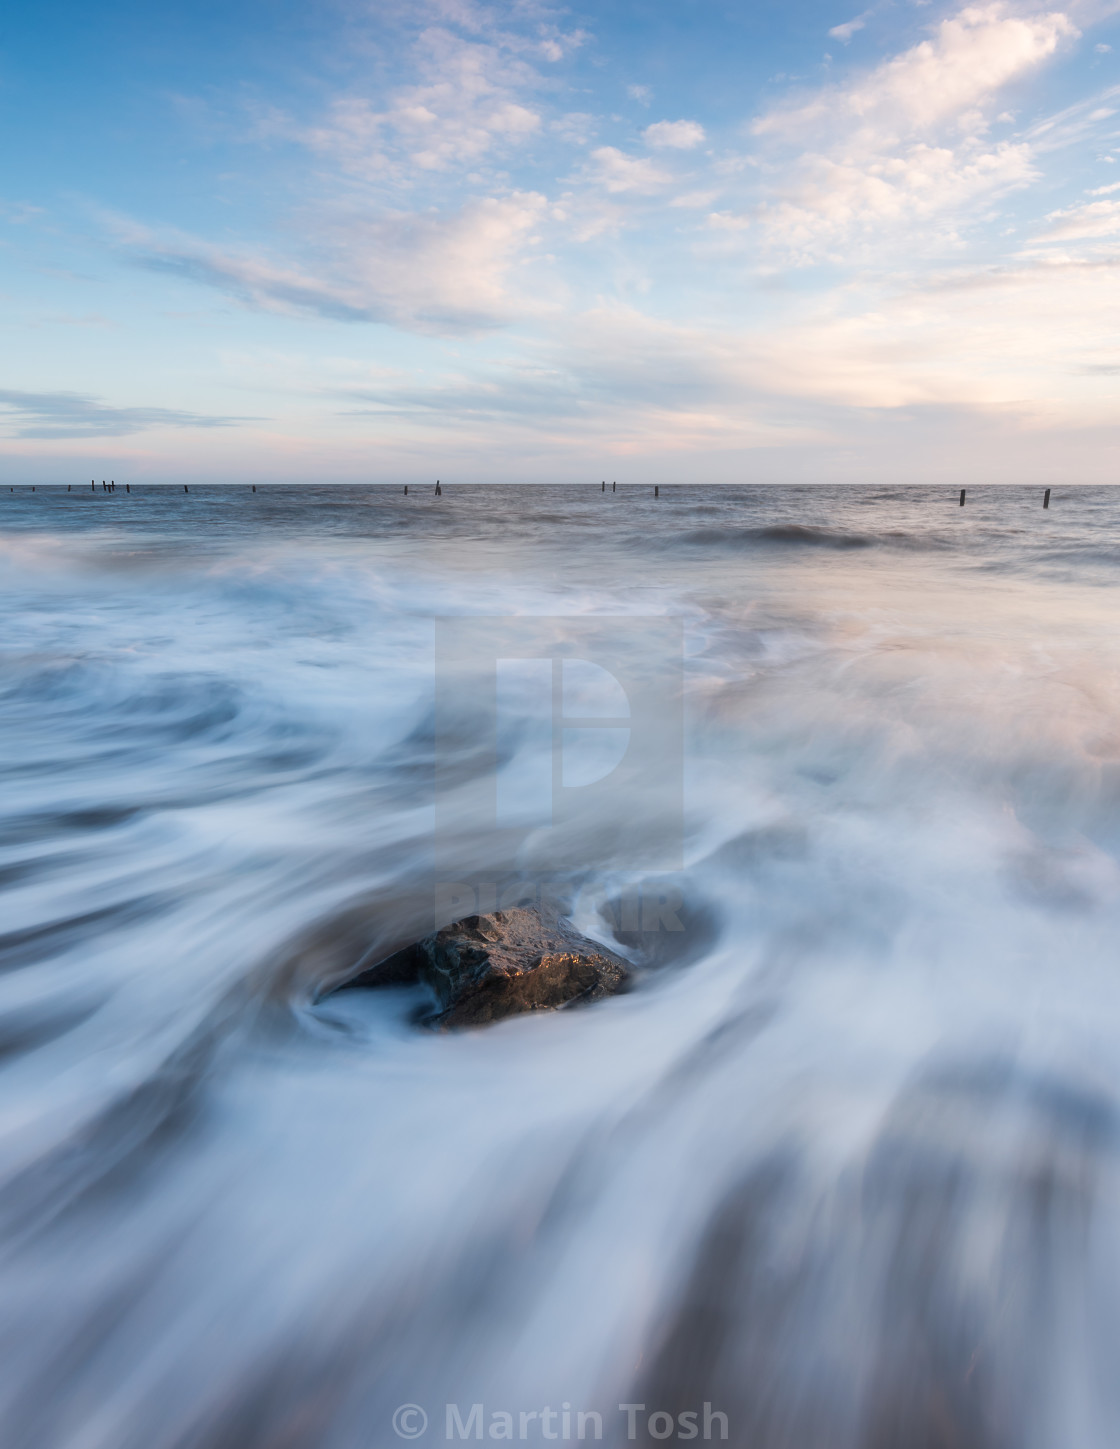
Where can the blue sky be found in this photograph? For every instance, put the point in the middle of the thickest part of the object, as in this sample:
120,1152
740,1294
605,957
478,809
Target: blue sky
520,242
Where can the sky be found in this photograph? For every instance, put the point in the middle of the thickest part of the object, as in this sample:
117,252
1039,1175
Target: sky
650,240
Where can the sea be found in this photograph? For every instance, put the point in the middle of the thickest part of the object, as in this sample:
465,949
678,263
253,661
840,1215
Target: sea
840,779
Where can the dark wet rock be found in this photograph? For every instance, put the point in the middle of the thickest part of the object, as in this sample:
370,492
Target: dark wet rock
484,968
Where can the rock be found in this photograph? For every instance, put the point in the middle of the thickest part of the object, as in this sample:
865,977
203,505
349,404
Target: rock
484,968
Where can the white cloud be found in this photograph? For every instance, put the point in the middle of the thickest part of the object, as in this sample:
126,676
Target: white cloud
642,94
1021,342
902,148
674,135
1095,219
468,103
577,128
1102,49
694,200
1074,125
834,201
428,272
971,56
558,44
844,32
618,172
591,214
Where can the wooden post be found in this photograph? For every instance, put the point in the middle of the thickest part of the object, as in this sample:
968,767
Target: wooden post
962,497
657,490
185,488
1046,499
604,487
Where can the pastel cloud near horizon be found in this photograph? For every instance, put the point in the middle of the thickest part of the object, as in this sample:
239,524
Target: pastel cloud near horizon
77,415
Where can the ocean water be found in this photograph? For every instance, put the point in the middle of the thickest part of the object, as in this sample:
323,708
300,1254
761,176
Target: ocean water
838,1173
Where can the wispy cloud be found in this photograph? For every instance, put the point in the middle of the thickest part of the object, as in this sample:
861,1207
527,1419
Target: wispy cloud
1085,120
78,415
906,144
611,374
19,213
1095,219
577,128
969,57
1011,341
834,201
727,221
475,97
674,135
428,271
357,242
844,32
617,172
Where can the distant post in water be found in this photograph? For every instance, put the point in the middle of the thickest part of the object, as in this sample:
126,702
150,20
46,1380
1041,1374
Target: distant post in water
962,498
613,487
406,490
185,488
1046,499
128,487
439,490
657,490
604,487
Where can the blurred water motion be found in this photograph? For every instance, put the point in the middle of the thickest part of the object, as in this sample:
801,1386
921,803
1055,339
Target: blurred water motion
841,1169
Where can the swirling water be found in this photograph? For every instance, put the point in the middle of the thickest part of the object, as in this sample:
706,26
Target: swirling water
844,1172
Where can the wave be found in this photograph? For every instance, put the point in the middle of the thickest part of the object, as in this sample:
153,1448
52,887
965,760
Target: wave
806,535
